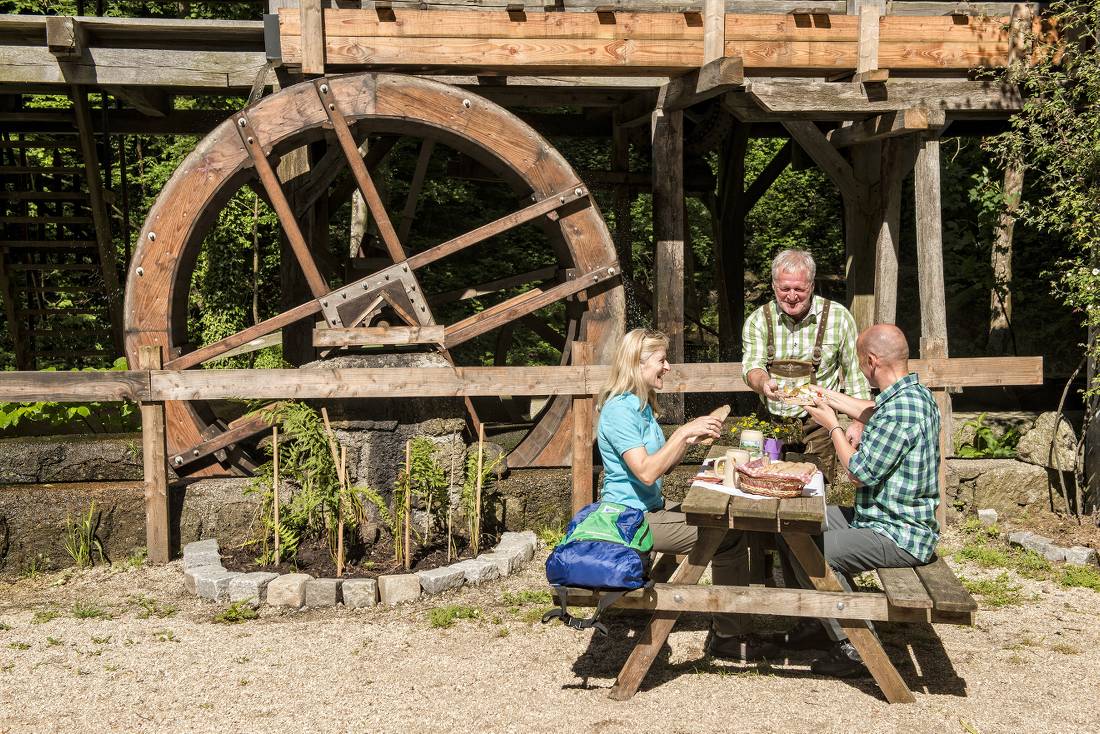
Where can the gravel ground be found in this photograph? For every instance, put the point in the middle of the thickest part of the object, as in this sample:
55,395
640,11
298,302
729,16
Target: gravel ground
1026,668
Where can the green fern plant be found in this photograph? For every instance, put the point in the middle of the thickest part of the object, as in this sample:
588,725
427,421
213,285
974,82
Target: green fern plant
986,444
80,538
469,485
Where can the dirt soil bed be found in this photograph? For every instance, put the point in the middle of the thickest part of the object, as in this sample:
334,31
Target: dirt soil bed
1064,530
159,663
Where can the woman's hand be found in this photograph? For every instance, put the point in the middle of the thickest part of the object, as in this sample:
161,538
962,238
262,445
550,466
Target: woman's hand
703,427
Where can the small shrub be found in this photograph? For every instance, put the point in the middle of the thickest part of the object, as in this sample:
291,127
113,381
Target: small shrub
997,592
85,610
41,617
1085,577
35,567
81,542
552,535
986,444
444,617
235,613
150,607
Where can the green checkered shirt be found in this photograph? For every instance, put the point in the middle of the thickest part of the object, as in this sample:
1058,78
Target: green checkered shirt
897,462
839,368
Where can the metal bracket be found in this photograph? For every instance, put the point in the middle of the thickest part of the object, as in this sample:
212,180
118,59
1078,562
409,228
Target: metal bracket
335,305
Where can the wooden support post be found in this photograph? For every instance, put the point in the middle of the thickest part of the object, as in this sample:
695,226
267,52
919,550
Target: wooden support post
933,303
730,252
860,237
297,337
622,198
583,416
1000,299
667,132
155,457
714,30
887,222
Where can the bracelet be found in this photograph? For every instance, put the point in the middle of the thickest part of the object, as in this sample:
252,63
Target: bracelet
835,428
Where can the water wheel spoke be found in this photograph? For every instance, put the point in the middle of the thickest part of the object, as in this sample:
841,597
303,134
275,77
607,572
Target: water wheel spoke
220,347
523,304
360,172
417,183
238,431
505,223
375,155
275,194
494,286
545,331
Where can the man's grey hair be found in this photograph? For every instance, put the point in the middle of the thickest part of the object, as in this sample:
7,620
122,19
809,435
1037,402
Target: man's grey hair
790,261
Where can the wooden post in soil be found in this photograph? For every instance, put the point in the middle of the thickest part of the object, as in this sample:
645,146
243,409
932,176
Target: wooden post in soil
155,454
340,512
667,131
582,435
450,483
477,491
275,488
408,502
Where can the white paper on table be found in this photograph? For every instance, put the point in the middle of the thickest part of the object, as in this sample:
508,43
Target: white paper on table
815,488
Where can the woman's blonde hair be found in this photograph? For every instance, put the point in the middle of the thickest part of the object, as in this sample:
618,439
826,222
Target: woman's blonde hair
626,368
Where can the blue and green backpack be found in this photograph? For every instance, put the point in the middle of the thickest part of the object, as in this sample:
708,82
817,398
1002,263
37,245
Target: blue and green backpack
606,548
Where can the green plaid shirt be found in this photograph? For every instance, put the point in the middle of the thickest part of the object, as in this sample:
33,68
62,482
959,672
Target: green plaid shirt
839,368
897,462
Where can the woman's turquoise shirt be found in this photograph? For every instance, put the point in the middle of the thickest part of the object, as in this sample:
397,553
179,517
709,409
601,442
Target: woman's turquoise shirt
623,427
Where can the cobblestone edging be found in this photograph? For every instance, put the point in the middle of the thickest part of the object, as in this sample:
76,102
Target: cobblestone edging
204,575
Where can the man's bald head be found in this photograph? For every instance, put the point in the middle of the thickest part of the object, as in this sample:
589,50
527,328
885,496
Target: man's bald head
886,342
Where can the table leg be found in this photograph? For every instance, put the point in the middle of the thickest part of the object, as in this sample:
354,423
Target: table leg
660,625
809,557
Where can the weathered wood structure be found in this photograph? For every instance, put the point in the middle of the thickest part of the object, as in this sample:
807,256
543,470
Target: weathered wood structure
863,89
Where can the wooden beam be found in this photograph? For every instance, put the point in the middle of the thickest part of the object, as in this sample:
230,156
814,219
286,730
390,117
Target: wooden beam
897,155
714,30
378,336
151,102
713,79
880,127
584,416
818,100
65,37
817,146
867,67
313,36
245,429
154,457
668,236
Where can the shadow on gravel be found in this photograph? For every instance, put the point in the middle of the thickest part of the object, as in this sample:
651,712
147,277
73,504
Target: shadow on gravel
915,649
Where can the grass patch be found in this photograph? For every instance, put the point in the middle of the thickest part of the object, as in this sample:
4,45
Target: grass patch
551,535
101,640
984,555
502,632
86,610
444,617
165,636
150,607
54,641
4,627
526,598
1084,577
997,592
535,614
235,613
45,615
1032,565
19,646
1064,649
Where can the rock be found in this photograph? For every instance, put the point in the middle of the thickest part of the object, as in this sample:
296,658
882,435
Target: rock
1080,555
507,558
1035,445
1008,486
85,458
322,592
212,582
438,580
359,593
1053,552
527,541
1037,543
191,576
987,517
201,559
288,590
478,570
251,587
209,545
1020,537
398,588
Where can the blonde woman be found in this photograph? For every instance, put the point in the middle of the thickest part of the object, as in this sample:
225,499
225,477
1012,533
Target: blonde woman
636,455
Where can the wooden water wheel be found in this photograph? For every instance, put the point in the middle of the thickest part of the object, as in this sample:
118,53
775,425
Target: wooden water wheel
337,118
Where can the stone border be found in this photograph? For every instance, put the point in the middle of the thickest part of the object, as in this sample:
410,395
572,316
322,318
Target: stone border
1078,555
204,575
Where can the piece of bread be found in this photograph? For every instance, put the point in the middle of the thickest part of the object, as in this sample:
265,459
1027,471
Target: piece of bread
721,413
799,396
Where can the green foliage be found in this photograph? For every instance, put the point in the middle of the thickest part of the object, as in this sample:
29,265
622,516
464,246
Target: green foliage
44,615
150,607
87,610
786,430
81,542
5,627
552,535
95,417
235,613
469,484
526,598
986,444
444,617
1085,577
37,565
1057,137
997,592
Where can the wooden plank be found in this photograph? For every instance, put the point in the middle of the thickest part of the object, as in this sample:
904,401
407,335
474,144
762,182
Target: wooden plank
702,501
65,37
947,593
713,79
377,335
584,415
880,127
757,515
802,514
757,600
840,101
839,171
714,30
497,226
904,588
313,36
528,302
494,286
806,553
73,387
157,511
657,631
897,155
867,43
222,346
243,430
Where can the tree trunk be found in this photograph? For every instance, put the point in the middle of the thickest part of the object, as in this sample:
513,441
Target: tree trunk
1000,305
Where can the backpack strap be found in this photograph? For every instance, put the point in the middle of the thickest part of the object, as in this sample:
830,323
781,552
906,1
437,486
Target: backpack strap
768,308
607,599
822,323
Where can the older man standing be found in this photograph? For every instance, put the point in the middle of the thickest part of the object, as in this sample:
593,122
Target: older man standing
800,338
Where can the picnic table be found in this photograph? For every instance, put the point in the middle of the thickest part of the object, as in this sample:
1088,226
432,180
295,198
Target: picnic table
929,593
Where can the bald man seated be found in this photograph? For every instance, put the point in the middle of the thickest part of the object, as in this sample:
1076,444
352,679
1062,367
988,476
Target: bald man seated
893,523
